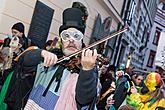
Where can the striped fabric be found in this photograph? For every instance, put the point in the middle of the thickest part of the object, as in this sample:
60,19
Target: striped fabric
67,100
31,105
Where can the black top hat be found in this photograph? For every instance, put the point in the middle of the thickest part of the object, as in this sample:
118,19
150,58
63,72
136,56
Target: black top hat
72,17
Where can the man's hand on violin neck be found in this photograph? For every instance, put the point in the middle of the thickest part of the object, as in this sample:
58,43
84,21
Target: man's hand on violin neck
88,59
49,58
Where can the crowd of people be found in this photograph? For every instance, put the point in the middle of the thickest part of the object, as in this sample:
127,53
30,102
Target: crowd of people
35,79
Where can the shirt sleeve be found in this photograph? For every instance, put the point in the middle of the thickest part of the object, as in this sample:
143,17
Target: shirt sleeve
86,88
31,57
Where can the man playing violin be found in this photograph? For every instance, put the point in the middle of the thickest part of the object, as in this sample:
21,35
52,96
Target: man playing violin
55,86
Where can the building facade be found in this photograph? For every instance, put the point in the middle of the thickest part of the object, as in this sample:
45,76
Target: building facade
150,60
42,18
140,18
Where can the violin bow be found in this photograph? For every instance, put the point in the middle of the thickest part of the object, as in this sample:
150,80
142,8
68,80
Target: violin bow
93,44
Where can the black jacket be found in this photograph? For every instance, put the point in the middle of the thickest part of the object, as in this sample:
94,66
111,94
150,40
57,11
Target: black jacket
22,80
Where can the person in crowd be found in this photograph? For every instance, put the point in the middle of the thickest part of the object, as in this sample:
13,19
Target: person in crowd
123,85
132,81
18,30
9,65
3,57
102,66
48,44
103,72
108,87
137,79
9,54
53,45
57,87
151,96
2,62
15,49
14,45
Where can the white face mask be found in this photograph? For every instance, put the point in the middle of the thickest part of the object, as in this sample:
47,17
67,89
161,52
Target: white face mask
68,34
14,42
71,45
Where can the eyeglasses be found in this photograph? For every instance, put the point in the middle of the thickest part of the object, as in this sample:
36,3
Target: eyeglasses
76,35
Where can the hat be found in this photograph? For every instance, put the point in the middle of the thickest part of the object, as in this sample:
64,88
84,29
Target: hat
121,67
72,17
18,26
151,83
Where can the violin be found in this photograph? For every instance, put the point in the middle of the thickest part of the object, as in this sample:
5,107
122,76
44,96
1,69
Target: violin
75,62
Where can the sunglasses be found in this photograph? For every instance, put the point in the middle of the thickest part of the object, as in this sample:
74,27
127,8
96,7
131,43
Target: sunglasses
76,35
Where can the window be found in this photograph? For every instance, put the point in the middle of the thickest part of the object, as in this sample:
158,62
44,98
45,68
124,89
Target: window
130,11
156,36
138,7
151,58
145,36
138,27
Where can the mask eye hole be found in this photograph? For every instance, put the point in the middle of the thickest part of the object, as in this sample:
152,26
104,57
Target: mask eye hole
66,35
76,36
